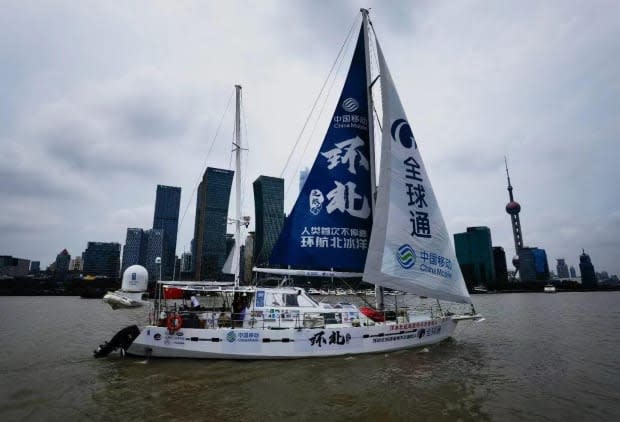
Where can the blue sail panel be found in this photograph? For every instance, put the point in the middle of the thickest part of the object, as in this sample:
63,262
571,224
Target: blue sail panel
329,226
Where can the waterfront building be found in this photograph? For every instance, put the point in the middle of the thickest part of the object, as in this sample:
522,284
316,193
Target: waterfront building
474,252
533,264
143,247
588,275
13,267
210,223
303,175
501,268
562,268
269,214
154,248
573,272
35,267
102,258
75,264
186,262
166,218
134,251
63,259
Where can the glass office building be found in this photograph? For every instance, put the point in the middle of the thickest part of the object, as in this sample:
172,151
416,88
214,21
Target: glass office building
269,214
102,258
211,222
166,218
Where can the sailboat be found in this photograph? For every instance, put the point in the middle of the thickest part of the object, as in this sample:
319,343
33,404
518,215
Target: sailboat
343,226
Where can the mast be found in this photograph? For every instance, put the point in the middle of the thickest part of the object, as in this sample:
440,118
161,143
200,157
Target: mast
371,136
237,150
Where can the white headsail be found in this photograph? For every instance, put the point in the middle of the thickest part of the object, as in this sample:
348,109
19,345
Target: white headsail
410,248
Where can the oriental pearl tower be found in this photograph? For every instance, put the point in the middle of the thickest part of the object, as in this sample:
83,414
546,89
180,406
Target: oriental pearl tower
513,208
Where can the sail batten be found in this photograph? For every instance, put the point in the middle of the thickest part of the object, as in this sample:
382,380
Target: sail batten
410,248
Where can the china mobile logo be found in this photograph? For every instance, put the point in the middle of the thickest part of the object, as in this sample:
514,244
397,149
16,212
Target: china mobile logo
401,132
350,105
406,256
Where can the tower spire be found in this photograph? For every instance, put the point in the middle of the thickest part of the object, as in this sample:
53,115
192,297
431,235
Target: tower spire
513,208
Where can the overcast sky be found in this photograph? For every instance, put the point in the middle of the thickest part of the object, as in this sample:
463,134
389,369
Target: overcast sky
101,101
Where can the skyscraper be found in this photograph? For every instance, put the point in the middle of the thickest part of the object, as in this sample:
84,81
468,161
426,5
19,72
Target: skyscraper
573,272
474,252
533,264
102,258
210,224
142,247
588,275
62,265
133,252
269,212
501,269
562,268
166,218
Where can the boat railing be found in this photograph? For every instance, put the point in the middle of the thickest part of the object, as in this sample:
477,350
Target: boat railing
281,319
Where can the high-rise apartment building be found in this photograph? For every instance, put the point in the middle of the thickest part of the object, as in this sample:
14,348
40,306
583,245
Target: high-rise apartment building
166,218
35,267
533,264
13,267
269,214
133,252
562,268
474,252
143,247
211,222
102,258
501,269
63,259
588,275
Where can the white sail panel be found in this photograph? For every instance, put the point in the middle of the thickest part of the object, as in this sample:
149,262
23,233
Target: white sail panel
410,248
231,265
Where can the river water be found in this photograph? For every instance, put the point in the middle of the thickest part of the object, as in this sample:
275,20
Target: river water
536,357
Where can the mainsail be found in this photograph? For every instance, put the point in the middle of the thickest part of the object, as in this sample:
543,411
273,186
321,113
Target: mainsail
329,226
410,248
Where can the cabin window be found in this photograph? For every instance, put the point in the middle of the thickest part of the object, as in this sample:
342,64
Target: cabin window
290,300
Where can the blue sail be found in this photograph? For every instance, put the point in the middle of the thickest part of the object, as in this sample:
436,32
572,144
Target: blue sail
329,226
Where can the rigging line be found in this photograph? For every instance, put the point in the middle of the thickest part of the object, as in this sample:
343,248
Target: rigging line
317,98
206,158
340,60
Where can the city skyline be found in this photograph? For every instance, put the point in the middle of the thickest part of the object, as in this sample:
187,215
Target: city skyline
92,138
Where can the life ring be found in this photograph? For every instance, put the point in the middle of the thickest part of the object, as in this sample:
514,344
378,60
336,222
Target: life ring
174,322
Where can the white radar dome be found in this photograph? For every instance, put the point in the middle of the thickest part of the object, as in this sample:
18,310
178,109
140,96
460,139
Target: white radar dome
135,279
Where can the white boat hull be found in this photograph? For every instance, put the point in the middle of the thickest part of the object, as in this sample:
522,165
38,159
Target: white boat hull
288,343
124,300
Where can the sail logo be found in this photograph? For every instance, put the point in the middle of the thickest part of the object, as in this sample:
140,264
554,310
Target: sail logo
401,132
406,256
316,200
231,336
350,105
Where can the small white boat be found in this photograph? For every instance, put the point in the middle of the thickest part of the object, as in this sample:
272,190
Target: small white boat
480,289
549,288
133,289
314,292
